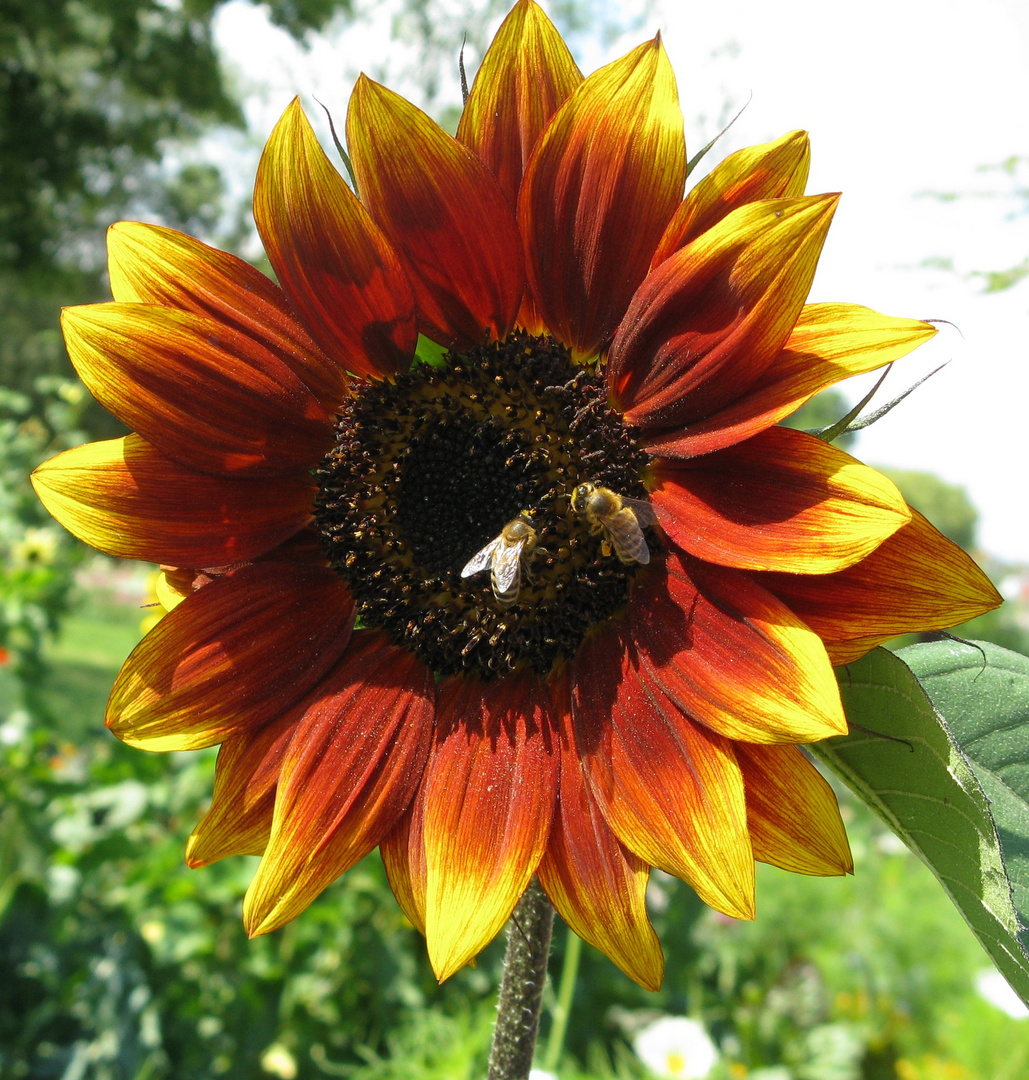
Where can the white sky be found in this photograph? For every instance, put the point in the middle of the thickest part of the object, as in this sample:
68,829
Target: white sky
900,97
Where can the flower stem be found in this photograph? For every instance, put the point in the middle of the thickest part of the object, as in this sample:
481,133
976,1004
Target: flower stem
521,990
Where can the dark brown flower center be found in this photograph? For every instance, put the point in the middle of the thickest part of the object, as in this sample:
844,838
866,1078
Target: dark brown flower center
435,468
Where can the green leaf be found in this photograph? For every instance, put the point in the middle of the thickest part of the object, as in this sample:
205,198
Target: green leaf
983,691
930,791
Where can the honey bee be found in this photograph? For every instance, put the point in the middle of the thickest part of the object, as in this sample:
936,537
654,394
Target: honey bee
504,555
619,519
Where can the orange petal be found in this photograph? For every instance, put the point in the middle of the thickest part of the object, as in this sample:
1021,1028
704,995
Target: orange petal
403,855
782,500
792,813
916,580
231,657
773,170
490,789
209,397
444,213
598,886
730,655
670,789
240,819
710,320
361,742
127,499
339,271
830,342
599,189
525,76
149,264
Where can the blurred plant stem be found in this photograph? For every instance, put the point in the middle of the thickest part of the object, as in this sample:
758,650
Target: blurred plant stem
521,989
563,1005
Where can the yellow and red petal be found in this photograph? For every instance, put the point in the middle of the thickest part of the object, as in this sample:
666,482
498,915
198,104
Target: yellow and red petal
403,856
792,813
731,656
149,264
598,192
773,170
709,321
525,76
830,342
232,656
489,793
444,213
239,821
782,500
207,396
351,769
598,885
339,271
669,788
916,580
129,500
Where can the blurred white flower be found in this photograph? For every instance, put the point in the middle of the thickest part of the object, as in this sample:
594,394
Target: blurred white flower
541,1074
278,1061
994,988
676,1048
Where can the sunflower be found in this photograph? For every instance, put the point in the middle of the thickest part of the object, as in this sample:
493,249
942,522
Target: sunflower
482,543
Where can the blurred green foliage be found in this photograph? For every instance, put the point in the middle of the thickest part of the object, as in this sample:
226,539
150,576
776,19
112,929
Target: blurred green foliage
821,412
37,557
946,505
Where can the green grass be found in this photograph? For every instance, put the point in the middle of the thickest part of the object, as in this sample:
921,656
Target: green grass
85,660
100,637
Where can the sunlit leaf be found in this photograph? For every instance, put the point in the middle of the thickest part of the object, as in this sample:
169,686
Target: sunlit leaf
934,776
983,691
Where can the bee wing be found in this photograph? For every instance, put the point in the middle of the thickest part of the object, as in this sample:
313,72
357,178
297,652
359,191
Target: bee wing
646,515
481,559
506,565
631,543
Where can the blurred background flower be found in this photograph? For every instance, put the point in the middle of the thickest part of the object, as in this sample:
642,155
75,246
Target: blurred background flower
676,1048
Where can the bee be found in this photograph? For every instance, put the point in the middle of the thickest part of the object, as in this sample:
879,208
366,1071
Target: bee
504,555
619,519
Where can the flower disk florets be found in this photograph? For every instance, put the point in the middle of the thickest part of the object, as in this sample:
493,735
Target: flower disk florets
428,469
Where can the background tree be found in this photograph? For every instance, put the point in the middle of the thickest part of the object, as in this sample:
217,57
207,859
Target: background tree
93,95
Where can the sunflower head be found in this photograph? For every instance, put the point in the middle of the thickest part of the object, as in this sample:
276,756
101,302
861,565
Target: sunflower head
434,465
598,589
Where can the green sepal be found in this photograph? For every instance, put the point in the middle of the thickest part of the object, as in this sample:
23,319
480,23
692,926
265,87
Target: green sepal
430,352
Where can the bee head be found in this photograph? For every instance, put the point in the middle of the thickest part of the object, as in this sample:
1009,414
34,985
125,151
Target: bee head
592,501
581,496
